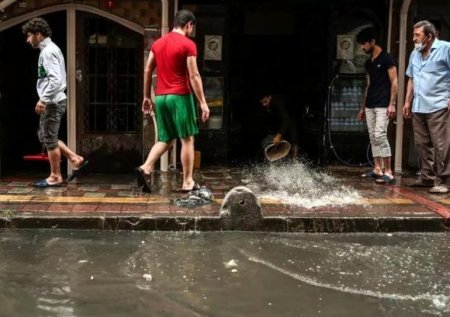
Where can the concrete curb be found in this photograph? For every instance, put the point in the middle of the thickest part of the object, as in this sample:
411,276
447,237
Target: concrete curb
273,224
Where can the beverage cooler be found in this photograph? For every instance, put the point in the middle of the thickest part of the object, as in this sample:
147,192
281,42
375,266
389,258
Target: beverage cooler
345,137
347,94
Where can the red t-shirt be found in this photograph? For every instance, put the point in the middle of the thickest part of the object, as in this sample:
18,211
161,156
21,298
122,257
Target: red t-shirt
171,52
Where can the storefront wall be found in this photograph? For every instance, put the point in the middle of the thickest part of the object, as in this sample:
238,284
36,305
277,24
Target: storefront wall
103,46
244,47
288,47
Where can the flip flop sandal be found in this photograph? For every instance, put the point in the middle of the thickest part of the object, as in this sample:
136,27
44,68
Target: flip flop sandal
144,181
45,184
371,174
195,187
77,172
385,180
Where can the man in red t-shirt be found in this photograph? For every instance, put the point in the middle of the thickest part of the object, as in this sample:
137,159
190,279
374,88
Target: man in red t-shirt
174,56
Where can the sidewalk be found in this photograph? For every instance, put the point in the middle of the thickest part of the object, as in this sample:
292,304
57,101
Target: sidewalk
114,202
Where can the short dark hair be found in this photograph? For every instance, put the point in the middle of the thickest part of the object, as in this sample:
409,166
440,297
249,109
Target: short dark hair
428,27
183,17
367,35
37,25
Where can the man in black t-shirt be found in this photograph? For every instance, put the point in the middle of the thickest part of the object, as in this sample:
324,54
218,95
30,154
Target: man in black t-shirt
379,102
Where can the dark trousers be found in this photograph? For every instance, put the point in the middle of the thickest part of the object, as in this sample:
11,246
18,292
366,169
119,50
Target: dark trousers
432,140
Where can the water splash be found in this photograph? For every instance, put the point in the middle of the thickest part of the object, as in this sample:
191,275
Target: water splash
298,183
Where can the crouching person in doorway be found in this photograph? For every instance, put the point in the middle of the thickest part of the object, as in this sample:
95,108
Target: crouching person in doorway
278,121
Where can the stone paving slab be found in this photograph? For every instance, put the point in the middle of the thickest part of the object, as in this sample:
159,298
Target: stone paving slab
114,202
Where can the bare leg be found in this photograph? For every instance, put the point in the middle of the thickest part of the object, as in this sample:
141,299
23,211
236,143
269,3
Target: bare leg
187,161
387,166
378,167
54,157
74,159
155,153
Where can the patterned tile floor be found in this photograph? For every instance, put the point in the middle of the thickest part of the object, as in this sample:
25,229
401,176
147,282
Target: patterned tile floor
99,195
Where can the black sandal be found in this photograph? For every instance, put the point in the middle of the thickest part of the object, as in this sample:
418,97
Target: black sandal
195,187
76,172
372,174
144,180
385,180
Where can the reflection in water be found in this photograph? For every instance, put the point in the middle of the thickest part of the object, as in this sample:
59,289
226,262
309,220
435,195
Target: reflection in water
94,273
440,301
297,183
57,301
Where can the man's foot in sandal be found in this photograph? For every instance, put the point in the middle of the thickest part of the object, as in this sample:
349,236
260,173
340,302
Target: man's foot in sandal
187,190
372,174
77,171
144,180
386,179
45,183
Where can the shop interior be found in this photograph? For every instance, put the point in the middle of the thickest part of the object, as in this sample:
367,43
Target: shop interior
290,49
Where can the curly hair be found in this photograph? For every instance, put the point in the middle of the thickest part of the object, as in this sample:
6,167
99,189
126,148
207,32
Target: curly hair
37,25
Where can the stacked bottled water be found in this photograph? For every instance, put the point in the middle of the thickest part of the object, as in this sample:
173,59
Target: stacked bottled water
346,100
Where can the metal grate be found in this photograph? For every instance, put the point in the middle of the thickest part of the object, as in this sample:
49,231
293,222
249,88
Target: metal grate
113,78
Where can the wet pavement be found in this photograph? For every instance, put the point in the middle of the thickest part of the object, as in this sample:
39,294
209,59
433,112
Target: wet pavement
127,273
294,197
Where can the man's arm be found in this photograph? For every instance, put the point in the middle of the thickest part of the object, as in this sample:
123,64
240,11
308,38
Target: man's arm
362,107
197,86
52,68
392,72
408,98
147,103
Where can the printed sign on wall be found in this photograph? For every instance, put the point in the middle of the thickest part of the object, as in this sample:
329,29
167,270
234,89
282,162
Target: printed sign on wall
213,47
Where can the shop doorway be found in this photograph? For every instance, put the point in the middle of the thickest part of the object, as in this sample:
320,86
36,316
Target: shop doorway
276,49
18,121
112,126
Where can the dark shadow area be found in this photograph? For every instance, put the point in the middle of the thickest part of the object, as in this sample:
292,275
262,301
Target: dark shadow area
18,121
290,48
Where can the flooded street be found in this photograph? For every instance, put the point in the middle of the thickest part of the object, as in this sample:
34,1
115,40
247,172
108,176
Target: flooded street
98,273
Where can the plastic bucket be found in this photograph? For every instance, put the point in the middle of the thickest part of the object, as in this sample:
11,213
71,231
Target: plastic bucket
275,152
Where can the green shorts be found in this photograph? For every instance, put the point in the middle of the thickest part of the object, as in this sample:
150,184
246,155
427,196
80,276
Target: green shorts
176,117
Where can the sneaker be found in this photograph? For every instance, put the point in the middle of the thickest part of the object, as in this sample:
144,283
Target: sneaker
421,183
438,189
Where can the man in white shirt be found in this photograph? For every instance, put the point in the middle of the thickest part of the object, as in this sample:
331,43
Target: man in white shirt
51,86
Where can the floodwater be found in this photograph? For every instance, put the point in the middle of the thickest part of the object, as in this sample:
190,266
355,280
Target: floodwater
299,184
124,273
